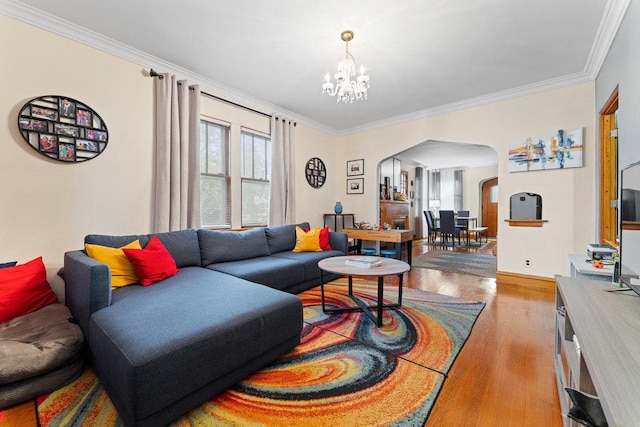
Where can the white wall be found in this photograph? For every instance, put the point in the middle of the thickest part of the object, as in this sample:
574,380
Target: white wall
622,68
568,194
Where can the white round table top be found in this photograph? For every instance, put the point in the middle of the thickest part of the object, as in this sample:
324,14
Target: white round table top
337,265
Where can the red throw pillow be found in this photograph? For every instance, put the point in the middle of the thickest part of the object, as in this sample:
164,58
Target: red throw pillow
153,263
24,289
324,238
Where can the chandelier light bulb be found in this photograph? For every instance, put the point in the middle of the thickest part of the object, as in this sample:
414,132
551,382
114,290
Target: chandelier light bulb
345,89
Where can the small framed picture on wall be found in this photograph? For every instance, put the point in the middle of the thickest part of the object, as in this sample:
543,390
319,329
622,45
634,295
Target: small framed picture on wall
355,167
355,186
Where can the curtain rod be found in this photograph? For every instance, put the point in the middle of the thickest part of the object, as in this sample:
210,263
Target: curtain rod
153,73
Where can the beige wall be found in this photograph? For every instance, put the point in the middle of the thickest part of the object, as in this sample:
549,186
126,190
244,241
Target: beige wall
568,194
48,207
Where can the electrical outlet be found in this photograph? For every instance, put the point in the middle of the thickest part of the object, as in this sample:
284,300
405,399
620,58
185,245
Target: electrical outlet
527,263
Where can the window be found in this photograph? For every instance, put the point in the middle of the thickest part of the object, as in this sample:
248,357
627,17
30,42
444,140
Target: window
214,175
256,173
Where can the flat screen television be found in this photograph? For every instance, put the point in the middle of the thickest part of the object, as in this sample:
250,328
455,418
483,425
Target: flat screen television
630,227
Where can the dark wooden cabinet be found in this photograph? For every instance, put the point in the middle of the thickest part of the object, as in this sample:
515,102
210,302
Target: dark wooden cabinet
395,213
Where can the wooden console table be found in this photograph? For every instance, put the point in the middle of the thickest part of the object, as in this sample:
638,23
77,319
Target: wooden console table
394,236
606,325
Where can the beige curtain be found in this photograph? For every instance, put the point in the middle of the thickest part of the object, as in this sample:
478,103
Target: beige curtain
282,198
177,167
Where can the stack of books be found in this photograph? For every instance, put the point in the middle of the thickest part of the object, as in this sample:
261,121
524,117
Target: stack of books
364,261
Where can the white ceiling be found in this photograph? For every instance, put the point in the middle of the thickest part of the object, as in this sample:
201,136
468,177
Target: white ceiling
423,56
445,155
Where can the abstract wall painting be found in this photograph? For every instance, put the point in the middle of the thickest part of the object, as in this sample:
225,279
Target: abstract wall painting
559,149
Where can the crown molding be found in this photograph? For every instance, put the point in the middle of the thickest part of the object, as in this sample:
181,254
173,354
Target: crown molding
69,30
607,30
612,18
491,98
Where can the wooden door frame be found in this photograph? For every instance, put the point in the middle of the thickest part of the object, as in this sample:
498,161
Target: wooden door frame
608,170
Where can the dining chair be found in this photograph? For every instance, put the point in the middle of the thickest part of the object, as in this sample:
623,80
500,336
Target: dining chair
448,227
463,224
432,231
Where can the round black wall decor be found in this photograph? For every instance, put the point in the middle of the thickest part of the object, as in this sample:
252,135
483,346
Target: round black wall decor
315,172
62,128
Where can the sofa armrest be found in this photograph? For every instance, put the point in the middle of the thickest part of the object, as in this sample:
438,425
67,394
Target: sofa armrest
338,241
87,285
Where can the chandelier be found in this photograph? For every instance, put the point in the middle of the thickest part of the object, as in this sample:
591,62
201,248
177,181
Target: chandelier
345,89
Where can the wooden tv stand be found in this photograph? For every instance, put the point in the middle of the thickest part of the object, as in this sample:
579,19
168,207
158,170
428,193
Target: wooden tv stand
607,327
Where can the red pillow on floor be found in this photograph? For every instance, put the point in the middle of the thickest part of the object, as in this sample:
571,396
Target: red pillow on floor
24,289
324,238
153,263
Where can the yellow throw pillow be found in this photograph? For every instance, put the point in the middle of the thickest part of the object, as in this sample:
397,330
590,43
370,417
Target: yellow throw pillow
307,241
122,271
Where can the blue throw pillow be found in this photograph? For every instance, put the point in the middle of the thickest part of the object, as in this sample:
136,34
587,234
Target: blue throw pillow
8,264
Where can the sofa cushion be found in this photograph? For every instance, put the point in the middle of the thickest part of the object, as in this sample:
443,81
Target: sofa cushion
153,263
8,264
122,271
307,241
182,244
223,246
24,289
283,237
277,273
202,325
309,261
114,241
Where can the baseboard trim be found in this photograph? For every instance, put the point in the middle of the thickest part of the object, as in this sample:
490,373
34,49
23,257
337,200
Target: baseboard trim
506,278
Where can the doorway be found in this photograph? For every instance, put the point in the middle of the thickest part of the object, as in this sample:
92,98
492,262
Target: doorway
490,206
609,170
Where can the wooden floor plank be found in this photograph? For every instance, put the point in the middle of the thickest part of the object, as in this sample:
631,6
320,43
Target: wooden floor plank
504,375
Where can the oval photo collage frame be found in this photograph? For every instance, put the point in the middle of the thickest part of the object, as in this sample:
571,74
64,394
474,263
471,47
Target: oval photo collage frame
63,129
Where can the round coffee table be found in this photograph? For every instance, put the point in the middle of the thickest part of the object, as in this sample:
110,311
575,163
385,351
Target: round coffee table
389,266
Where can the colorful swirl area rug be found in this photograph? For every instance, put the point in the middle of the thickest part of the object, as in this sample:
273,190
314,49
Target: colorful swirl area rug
345,372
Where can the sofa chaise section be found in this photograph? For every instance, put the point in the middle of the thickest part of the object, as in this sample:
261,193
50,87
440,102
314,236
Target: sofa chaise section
203,332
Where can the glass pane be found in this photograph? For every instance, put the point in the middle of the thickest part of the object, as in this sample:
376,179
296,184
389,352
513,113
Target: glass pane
247,156
269,159
255,203
213,195
259,158
494,194
216,152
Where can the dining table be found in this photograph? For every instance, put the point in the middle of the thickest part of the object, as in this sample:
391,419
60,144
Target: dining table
465,225
395,236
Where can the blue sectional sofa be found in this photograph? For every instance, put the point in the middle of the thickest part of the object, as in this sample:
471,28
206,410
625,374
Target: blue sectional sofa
164,349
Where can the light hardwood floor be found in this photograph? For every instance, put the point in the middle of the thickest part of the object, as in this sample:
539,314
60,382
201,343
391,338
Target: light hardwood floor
504,375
